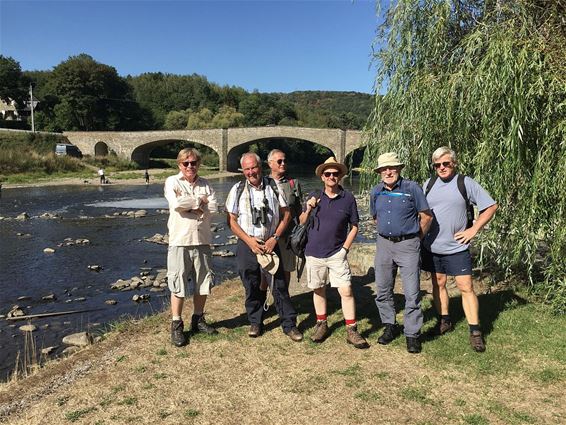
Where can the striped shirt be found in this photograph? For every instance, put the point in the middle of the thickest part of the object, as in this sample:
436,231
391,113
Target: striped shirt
256,198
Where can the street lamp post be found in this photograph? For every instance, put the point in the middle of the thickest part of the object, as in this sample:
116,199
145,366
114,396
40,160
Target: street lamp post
31,106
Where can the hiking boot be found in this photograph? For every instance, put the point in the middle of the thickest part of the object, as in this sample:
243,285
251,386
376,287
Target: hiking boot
445,326
294,334
320,331
389,334
178,338
413,345
255,330
476,341
198,324
354,338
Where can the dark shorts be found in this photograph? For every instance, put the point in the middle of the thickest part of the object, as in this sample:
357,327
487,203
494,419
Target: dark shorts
459,264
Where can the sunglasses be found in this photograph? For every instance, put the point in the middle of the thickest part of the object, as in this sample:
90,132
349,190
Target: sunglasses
331,173
281,161
191,163
444,164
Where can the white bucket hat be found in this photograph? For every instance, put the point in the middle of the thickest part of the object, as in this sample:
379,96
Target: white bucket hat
388,159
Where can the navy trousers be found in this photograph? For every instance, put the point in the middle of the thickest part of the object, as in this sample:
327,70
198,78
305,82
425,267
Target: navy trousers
250,273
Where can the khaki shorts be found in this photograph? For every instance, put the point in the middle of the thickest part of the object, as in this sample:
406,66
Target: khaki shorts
288,259
187,265
335,269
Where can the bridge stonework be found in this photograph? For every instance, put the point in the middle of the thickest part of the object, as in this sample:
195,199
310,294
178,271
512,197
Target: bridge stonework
227,143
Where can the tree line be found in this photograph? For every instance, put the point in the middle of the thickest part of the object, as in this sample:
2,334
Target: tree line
83,94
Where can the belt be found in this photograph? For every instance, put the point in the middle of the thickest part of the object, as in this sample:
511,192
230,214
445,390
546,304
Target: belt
400,238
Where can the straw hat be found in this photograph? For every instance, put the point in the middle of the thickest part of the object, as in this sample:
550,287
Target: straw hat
388,159
331,163
268,262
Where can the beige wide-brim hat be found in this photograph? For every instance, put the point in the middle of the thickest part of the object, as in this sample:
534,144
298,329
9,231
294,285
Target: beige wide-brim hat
331,163
268,262
388,159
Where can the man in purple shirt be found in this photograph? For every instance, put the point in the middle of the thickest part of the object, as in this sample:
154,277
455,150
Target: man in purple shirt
333,231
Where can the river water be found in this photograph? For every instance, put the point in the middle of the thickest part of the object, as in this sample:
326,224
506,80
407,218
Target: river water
27,274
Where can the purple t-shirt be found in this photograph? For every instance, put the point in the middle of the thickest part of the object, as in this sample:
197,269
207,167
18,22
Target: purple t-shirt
332,222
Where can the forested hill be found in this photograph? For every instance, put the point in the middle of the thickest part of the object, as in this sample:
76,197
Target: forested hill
83,94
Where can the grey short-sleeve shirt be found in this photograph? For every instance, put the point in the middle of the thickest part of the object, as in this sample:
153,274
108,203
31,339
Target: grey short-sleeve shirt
449,213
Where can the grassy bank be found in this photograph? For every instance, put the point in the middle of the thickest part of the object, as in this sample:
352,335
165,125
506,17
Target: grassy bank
135,376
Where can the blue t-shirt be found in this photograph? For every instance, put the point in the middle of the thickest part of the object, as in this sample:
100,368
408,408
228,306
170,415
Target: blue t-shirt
449,213
397,210
332,221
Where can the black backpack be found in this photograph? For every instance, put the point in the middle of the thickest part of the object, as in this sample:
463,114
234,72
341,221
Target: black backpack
462,189
298,237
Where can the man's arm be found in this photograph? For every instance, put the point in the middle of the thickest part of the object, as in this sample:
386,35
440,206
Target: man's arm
424,222
311,203
271,242
351,236
465,236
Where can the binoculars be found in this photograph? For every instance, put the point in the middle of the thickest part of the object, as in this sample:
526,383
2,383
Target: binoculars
259,215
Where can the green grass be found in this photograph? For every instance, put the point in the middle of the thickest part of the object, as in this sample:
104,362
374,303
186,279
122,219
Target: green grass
75,415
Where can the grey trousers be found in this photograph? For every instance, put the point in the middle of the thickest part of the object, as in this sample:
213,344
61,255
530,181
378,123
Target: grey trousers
404,255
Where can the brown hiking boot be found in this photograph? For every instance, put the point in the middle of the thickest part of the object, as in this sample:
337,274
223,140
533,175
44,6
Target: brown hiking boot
198,324
444,326
354,338
294,334
320,331
178,338
476,341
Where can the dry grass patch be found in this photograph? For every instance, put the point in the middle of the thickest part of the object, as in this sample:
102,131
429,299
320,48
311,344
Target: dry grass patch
137,376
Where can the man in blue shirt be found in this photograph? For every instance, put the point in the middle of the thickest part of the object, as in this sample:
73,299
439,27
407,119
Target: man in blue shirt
403,217
446,246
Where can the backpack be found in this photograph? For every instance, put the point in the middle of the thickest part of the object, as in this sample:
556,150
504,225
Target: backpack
462,189
298,237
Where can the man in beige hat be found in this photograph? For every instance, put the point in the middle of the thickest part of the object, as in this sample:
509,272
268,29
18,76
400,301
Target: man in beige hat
335,226
258,216
403,217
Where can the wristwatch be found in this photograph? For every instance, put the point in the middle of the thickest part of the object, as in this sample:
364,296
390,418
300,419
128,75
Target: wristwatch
274,236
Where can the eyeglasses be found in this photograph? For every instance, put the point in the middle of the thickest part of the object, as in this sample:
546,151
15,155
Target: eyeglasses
281,161
191,163
331,173
444,164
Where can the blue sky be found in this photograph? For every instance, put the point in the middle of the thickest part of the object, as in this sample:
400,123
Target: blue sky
271,46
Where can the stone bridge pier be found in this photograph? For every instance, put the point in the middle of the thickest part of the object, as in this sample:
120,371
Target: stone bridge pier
228,143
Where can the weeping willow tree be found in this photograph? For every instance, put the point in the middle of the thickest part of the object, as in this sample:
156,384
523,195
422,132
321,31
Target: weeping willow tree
487,78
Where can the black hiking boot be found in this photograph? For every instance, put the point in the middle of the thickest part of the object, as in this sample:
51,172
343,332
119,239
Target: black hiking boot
389,334
198,324
178,338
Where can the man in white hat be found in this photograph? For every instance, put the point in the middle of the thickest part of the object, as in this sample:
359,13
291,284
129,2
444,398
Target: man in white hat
403,217
446,245
258,216
334,229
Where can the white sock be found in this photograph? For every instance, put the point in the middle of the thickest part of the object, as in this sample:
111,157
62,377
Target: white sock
176,318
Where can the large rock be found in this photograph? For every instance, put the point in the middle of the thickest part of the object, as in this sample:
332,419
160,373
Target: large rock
80,339
49,250
23,216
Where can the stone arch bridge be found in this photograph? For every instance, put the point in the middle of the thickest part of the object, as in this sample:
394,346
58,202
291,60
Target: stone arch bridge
228,143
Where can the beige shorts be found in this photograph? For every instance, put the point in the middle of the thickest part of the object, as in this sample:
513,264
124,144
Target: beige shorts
187,266
288,259
335,269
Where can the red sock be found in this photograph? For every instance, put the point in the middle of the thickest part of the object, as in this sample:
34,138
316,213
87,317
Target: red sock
320,317
350,322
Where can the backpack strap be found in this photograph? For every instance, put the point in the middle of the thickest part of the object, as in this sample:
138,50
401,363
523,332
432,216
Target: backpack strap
470,214
430,184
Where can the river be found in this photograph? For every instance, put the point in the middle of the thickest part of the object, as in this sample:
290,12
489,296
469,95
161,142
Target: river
117,244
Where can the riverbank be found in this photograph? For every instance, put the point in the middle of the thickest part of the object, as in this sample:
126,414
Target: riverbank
130,177
135,375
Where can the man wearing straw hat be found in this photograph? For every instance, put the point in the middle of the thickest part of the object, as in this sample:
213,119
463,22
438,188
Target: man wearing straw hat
334,229
403,217
258,216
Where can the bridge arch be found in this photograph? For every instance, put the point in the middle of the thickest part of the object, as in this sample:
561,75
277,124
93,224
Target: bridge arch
141,154
101,149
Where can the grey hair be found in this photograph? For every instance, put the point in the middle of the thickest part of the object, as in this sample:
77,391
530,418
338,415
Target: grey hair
444,150
273,152
248,154
185,153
